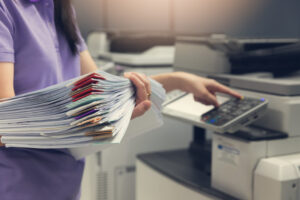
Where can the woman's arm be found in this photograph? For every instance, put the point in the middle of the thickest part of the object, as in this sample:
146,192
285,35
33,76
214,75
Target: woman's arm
203,89
7,80
87,63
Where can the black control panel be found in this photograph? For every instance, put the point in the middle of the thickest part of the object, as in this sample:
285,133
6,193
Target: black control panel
232,111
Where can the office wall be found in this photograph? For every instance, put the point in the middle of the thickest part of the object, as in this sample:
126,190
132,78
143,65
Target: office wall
247,18
276,18
256,18
196,16
138,15
89,15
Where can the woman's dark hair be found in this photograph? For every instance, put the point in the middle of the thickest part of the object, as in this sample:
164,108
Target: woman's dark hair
65,23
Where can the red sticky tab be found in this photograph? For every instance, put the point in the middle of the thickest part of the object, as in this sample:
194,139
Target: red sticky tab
83,84
85,91
93,75
87,94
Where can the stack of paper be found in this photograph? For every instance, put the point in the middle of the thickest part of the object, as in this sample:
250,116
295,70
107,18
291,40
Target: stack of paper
151,120
95,108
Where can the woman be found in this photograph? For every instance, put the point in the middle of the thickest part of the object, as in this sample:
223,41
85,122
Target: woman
40,45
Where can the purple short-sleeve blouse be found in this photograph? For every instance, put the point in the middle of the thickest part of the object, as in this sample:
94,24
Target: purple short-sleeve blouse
41,57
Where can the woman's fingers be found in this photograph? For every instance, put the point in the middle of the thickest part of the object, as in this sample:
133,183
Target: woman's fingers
146,82
140,86
203,101
217,87
207,98
143,90
141,108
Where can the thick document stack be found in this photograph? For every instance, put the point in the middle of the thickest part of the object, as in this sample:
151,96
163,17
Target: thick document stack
95,108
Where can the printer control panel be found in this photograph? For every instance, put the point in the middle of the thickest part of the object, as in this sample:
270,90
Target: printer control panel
234,112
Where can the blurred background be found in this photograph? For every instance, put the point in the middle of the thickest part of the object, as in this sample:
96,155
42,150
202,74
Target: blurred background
111,174
247,18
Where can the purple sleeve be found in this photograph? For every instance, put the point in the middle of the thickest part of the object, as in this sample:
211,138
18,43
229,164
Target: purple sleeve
6,37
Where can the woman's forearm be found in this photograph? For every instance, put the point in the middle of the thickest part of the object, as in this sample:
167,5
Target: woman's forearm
87,64
170,81
6,80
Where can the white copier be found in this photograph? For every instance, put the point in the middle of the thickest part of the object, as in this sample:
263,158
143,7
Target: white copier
262,168
261,161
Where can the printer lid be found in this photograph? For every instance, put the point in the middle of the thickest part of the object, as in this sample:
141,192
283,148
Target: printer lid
276,55
262,82
230,45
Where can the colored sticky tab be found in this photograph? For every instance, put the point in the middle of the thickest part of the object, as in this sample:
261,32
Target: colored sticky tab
84,92
84,101
104,136
86,95
72,93
85,83
101,131
86,114
91,76
93,120
93,86
84,111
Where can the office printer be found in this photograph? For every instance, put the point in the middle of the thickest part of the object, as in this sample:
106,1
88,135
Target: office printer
132,49
221,54
262,161
244,166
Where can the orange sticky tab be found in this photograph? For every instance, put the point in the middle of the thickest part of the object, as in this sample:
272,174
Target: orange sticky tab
92,120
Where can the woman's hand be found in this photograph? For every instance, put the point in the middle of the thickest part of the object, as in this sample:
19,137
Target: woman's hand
204,89
143,92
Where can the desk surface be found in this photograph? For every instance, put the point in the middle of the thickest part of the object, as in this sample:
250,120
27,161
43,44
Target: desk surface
179,165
